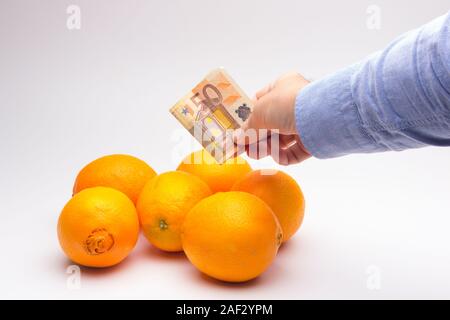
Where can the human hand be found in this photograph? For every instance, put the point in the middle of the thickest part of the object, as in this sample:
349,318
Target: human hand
274,110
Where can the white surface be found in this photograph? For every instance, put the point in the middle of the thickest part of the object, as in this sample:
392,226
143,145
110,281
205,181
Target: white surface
68,97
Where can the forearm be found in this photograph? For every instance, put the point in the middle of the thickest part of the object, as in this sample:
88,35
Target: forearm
396,99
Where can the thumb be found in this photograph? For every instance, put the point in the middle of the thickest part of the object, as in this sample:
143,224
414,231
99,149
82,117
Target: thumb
252,130
260,116
248,133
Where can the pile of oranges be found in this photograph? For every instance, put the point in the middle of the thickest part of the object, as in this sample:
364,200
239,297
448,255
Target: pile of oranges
229,220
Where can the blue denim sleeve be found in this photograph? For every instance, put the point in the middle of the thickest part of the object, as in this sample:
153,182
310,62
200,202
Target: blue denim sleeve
396,99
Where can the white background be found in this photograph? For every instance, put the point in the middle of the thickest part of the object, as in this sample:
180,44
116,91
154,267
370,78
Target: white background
68,97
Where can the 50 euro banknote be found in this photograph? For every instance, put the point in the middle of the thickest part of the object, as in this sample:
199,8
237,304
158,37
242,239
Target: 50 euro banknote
212,110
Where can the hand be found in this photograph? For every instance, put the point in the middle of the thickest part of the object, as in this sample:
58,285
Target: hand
274,110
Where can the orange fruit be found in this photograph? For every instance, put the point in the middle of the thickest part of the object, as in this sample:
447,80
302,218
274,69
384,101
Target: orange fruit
281,192
98,227
219,177
163,204
231,236
122,172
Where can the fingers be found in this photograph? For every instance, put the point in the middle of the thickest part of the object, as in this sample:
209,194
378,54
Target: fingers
283,157
244,136
290,156
274,109
260,149
295,148
287,141
284,149
287,153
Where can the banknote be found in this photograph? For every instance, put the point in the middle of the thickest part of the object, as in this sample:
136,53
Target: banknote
212,110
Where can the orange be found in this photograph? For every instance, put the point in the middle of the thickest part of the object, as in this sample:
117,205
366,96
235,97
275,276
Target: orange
122,172
231,236
219,177
98,227
281,192
163,204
